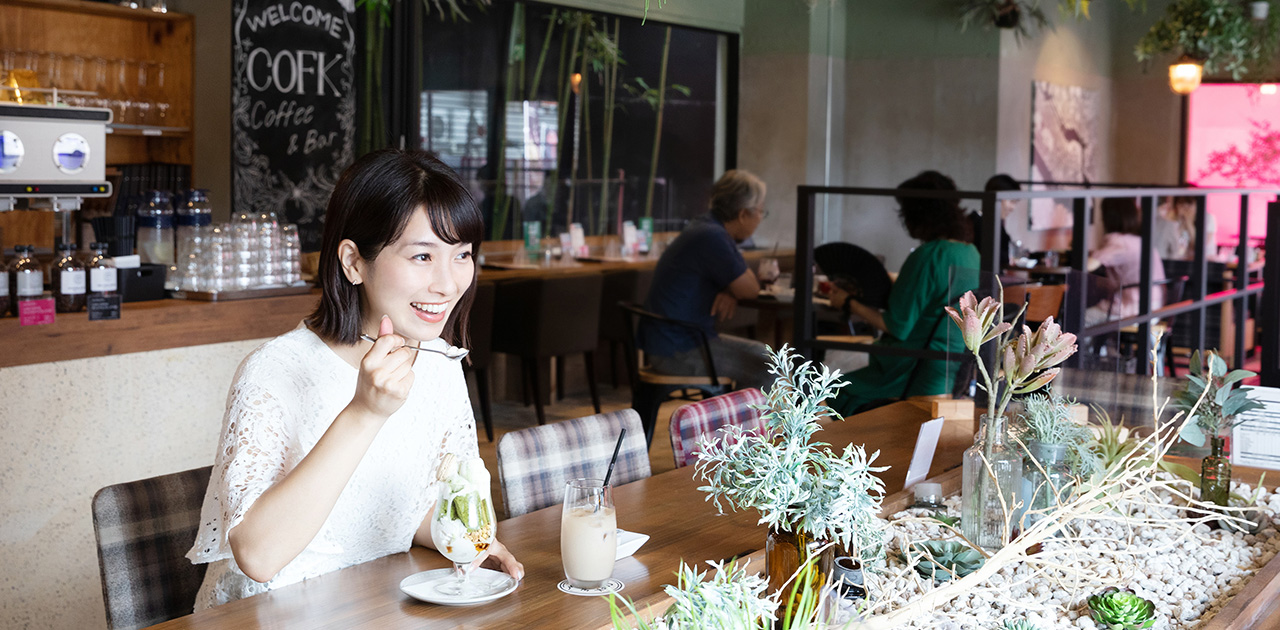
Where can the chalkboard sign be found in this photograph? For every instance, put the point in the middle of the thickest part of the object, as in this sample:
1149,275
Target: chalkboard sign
293,108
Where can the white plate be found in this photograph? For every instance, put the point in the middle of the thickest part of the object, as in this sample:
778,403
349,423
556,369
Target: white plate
422,587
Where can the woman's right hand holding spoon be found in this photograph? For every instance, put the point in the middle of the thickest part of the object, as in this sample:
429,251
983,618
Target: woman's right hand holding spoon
386,373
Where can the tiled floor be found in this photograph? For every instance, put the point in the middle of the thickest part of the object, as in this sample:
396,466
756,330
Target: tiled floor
513,416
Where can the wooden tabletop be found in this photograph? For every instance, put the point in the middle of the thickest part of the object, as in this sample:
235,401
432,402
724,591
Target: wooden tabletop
668,507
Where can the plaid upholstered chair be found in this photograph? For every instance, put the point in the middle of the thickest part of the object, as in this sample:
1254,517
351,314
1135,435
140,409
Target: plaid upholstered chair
535,463
144,529
690,422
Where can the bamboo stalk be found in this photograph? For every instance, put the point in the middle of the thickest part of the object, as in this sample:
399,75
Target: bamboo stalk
501,201
542,58
657,131
585,111
566,65
611,96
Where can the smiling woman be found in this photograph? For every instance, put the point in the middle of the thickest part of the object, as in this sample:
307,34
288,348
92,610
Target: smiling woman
327,443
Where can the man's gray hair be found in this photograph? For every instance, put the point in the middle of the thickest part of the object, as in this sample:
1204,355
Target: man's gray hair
737,189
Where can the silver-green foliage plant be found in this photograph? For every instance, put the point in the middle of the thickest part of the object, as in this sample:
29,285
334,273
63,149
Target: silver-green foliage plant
1223,401
732,599
1115,609
1047,419
796,484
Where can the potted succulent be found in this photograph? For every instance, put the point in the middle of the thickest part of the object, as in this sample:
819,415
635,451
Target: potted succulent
810,497
992,469
1115,609
1213,394
943,560
1020,16
1058,451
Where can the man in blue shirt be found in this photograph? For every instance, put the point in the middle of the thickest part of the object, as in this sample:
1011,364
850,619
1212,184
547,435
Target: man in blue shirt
700,277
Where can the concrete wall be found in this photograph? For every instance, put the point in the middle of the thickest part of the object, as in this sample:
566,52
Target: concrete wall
919,94
1075,53
1147,116
212,115
73,427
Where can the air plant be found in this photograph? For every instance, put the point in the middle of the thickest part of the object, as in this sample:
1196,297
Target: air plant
1122,610
1047,419
797,484
949,521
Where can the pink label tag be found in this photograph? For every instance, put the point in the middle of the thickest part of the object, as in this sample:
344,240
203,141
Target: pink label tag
35,312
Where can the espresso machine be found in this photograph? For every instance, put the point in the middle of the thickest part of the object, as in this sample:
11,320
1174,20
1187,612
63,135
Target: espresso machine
53,155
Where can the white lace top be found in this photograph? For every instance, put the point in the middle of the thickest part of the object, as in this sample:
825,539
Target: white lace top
285,395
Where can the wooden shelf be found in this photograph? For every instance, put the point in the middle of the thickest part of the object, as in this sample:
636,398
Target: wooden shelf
96,8
148,131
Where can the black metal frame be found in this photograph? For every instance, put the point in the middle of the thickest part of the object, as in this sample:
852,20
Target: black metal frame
992,230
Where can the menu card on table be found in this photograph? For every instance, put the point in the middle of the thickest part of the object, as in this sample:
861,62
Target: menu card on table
1256,443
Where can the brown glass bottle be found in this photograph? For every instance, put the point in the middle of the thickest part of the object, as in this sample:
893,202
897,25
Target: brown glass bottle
26,278
69,280
1215,473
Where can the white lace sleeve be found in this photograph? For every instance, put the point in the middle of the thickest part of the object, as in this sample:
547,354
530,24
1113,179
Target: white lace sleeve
255,452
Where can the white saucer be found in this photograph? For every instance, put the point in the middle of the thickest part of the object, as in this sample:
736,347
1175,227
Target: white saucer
610,586
422,587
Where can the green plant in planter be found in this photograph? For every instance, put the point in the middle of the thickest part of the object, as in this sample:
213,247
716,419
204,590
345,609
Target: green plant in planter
1115,609
1218,33
731,599
1022,16
1223,399
943,560
797,484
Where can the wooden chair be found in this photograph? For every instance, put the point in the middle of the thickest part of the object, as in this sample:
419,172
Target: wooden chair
143,531
540,318
535,463
1043,301
481,356
650,388
621,285
692,422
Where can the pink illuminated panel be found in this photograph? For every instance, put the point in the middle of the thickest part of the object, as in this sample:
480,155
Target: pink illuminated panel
1233,140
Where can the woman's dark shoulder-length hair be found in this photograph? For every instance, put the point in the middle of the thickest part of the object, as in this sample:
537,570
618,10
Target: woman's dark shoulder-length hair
372,203
1121,215
932,219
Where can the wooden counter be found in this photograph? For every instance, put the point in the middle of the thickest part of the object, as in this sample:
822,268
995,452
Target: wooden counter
164,324
145,326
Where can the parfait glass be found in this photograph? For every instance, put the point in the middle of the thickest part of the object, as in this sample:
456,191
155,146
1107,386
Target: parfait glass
462,529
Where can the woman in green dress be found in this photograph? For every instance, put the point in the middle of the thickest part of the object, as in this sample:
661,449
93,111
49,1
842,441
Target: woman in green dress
940,270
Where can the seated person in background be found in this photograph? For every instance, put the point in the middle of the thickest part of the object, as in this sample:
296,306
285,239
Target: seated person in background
995,184
923,287
701,276
1121,254
1174,237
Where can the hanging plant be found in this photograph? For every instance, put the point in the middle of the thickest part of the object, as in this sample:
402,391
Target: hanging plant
1020,16
1218,33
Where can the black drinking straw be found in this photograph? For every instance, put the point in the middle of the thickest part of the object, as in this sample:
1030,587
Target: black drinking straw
613,460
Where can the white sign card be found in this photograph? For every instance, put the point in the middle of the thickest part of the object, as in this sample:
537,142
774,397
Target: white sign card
922,458
1257,442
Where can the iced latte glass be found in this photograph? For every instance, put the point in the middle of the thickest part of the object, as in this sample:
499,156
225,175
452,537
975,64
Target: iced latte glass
588,533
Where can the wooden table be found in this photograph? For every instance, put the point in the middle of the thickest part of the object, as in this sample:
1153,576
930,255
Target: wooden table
668,507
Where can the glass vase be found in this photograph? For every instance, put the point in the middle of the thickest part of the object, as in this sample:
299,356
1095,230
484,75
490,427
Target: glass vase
1046,480
785,552
1215,473
992,477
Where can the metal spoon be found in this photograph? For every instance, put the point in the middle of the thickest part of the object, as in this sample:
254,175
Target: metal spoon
453,353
